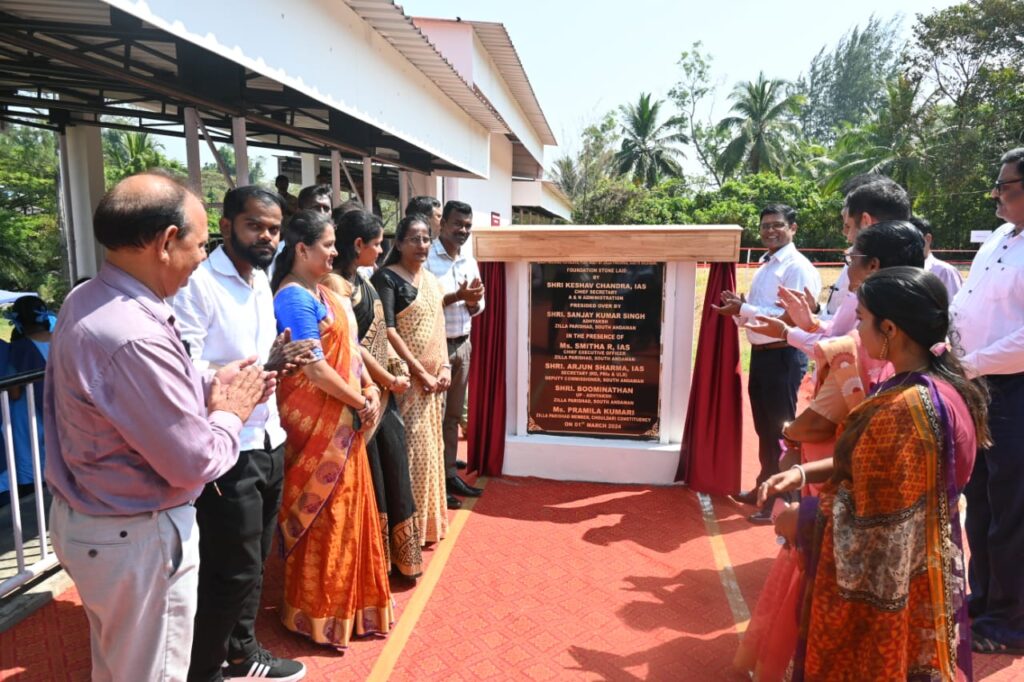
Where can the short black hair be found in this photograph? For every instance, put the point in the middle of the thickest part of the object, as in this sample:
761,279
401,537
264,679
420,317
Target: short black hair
307,197
893,243
1014,156
281,177
422,205
236,199
787,212
345,207
860,179
126,219
884,199
923,225
454,206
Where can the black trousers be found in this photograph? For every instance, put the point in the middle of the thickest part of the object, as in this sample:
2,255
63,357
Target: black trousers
774,380
995,518
236,528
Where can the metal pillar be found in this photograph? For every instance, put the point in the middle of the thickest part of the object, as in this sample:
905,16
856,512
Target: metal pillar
241,150
403,191
368,183
335,177
85,189
195,176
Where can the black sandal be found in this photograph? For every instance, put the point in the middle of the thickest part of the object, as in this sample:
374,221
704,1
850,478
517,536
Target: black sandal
981,644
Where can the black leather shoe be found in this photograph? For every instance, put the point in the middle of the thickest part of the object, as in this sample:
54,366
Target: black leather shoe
749,497
456,486
761,518
454,502
460,465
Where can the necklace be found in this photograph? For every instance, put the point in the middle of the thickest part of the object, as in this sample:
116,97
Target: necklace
304,284
413,279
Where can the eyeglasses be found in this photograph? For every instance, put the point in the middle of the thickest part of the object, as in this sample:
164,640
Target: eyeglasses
998,186
848,257
773,226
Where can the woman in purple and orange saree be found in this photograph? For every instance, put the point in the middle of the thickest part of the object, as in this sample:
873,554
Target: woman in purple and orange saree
884,597
336,571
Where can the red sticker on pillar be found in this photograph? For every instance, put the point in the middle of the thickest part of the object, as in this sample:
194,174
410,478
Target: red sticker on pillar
495,219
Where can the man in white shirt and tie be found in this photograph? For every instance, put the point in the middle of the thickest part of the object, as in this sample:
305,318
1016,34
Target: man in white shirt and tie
988,316
227,311
776,369
459,277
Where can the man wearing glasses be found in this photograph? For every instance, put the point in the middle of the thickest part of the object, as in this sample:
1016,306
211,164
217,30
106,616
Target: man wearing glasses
989,318
876,199
776,369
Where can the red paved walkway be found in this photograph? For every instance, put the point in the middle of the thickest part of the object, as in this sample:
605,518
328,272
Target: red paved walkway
547,581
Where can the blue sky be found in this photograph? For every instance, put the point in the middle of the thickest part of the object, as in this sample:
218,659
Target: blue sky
586,58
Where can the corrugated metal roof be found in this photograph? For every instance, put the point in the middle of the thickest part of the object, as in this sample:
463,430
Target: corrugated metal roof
397,28
499,45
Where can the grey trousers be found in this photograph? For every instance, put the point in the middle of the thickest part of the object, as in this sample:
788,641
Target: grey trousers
455,400
137,577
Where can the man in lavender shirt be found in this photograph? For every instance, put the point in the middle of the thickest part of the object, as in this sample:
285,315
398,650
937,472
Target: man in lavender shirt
136,432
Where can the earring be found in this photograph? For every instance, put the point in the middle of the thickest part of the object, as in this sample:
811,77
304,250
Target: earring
885,348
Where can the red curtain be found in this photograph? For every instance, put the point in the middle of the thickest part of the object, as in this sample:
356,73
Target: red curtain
712,449
486,437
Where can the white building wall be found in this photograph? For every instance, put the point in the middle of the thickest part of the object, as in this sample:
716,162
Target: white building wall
325,50
493,194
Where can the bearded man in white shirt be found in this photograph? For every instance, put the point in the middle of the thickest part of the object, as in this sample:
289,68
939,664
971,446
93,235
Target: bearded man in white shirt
227,310
776,369
988,317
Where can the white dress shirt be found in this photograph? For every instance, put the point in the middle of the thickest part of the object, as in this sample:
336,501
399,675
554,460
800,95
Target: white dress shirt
223,319
788,268
452,272
987,312
837,294
949,275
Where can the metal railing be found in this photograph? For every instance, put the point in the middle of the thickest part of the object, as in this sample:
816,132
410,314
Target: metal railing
47,559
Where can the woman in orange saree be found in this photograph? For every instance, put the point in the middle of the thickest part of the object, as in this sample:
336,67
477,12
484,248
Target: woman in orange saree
884,598
336,574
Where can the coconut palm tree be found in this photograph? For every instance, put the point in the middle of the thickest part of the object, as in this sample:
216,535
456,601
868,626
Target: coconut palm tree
762,127
892,144
647,152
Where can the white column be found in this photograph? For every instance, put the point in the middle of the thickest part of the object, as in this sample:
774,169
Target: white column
368,183
85,180
309,169
335,177
195,176
241,151
451,190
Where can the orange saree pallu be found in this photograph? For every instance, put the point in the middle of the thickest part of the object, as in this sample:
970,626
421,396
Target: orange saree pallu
421,326
885,592
336,574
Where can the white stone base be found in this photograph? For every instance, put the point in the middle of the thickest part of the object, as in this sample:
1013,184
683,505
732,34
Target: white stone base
570,458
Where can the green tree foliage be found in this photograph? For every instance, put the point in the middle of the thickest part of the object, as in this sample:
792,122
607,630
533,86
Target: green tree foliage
689,95
30,242
128,152
844,87
763,127
648,152
934,112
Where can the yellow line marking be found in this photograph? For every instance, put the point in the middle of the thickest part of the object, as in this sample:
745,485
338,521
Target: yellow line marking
740,612
399,636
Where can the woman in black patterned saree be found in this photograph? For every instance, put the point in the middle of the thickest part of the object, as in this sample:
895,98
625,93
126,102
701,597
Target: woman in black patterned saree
359,236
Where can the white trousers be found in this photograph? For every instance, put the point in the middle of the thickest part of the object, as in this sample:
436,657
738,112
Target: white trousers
137,577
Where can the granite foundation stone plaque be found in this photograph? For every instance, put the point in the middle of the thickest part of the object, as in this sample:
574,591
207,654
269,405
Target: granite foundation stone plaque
595,349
